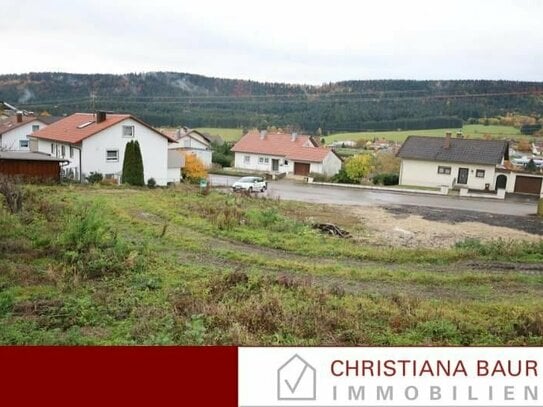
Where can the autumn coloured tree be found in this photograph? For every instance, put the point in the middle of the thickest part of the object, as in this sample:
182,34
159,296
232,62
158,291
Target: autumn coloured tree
194,169
359,166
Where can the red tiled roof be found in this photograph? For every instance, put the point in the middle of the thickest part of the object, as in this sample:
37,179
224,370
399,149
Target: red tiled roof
281,144
72,129
11,123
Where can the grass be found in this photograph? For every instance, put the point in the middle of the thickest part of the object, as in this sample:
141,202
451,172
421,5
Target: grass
226,134
113,265
469,130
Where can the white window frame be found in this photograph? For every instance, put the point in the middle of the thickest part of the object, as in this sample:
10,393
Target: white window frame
266,160
482,172
116,160
52,148
443,170
63,151
132,131
35,127
71,152
24,141
246,159
261,160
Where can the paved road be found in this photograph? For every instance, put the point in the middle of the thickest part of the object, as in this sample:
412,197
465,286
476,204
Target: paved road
297,191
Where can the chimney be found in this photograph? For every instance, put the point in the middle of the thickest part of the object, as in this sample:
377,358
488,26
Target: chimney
100,116
263,134
294,136
447,144
19,117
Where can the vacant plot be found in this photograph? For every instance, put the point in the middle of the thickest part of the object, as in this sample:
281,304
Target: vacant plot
109,265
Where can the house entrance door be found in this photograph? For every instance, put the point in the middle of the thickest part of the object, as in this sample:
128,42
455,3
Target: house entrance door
275,164
463,175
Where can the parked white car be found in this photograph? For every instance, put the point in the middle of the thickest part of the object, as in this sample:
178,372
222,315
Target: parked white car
250,184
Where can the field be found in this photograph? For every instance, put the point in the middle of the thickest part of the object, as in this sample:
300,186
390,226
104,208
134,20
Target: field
226,134
112,265
470,130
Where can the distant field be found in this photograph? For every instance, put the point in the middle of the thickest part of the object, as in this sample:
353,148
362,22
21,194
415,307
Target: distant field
226,134
470,130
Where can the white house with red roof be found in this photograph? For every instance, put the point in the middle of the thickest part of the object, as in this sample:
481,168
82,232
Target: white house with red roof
284,153
96,143
16,130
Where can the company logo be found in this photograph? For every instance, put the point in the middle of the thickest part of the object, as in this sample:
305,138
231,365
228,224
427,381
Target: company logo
296,380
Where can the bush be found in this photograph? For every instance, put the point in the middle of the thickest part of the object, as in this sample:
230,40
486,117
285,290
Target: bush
359,166
94,177
540,207
194,169
319,177
222,159
343,178
386,179
90,247
12,193
151,183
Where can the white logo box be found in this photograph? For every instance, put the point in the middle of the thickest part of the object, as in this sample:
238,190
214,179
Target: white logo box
400,376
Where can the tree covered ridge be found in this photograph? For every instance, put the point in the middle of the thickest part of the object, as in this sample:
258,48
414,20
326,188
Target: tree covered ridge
170,99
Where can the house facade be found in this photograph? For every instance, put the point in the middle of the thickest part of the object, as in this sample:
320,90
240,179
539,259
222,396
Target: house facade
452,162
97,142
15,131
192,142
284,153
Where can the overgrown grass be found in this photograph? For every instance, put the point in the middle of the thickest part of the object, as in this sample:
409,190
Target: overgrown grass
100,265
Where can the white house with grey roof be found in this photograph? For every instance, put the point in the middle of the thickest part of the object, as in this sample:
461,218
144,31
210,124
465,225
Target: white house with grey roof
451,162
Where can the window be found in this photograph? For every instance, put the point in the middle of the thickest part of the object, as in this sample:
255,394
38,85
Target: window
52,148
112,155
23,143
128,131
286,162
71,152
266,160
443,170
246,159
480,173
63,151
260,160
35,127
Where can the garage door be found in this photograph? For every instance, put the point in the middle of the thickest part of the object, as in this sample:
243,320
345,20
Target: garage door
528,185
301,169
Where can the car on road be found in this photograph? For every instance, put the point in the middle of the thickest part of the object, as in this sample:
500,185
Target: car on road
250,184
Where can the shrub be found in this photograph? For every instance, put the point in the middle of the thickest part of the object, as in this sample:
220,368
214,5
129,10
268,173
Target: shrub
359,166
194,169
94,177
90,247
151,183
222,159
385,179
343,178
12,193
540,208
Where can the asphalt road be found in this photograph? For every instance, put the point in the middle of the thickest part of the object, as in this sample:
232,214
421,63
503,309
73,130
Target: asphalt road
297,191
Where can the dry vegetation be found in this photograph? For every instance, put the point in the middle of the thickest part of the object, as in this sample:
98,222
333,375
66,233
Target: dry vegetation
111,265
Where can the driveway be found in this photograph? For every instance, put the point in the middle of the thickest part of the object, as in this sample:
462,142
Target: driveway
297,191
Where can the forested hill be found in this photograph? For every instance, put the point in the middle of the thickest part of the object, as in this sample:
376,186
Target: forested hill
170,99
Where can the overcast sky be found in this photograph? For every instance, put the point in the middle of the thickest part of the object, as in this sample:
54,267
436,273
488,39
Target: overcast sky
278,40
